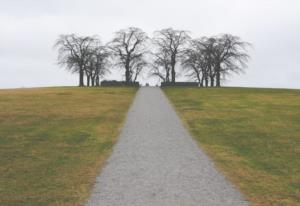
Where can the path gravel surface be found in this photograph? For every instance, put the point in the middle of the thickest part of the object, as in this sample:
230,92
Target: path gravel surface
157,163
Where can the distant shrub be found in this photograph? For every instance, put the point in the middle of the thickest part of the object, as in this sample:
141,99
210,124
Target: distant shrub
114,83
179,84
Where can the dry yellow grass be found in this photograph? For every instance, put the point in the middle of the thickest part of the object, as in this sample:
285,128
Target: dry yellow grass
253,136
53,141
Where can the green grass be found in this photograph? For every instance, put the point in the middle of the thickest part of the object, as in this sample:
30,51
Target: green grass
53,142
253,136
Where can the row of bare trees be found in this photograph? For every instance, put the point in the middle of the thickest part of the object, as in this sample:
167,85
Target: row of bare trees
209,60
83,55
170,53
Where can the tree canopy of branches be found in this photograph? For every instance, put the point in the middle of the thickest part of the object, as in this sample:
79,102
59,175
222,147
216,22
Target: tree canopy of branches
129,48
161,65
230,55
73,53
212,58
97,64
83,55
196,63
170,45
170,53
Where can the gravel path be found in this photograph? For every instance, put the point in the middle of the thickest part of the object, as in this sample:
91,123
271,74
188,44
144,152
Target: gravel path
157,163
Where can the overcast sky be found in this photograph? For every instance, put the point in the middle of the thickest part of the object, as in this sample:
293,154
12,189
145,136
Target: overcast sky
28,29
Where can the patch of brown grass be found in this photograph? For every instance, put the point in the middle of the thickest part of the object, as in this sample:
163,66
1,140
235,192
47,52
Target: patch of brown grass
53,141
253,136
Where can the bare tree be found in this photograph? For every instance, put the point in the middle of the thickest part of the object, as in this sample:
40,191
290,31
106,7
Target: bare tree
128,46
137,65
207,46
73,52
171,42
215,57
101,64
97,64
196,62
230,55
161,65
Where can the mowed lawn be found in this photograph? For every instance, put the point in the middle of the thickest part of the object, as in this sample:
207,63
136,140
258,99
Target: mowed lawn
253,136
53,142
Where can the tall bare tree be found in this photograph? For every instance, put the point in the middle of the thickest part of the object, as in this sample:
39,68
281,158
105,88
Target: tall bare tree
230,55
97,64
196,62
101,64
171,42
161,65
136,68
128,46
215,57
73,52
209,45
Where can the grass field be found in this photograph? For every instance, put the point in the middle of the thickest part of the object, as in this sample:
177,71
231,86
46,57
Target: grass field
253,135
53,142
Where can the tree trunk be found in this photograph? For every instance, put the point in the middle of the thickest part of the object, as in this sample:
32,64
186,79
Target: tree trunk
218,76
88,80
173,75
173,72
81,74
97,81
127,70
93,81
212,81
167,76
127,73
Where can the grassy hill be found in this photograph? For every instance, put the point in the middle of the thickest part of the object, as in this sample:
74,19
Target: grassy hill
253,135
53,141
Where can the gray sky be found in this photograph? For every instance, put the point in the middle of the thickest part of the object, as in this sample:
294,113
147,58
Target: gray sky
28,29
